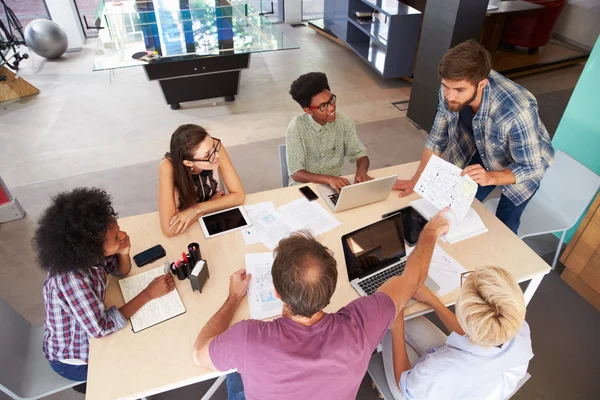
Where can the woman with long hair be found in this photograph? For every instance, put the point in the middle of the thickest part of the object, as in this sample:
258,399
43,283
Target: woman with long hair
189,179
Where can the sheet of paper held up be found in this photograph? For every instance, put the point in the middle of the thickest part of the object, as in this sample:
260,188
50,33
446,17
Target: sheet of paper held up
441,184
268,225
444,270
310,215
155,311
261,294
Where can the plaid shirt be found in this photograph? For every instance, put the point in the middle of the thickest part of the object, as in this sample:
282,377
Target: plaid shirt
75,310
507,132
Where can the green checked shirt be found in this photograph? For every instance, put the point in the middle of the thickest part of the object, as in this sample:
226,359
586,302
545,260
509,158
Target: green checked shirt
321,149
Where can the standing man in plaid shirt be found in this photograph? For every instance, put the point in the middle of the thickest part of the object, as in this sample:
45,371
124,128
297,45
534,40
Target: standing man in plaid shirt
493,129
78,241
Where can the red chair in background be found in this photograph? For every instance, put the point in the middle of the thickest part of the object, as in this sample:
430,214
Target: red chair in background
533,30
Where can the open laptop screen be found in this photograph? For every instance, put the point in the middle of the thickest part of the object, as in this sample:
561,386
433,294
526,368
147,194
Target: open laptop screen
374,247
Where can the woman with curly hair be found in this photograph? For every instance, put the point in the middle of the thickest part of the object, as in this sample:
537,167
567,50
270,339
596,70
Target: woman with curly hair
79,242
189,179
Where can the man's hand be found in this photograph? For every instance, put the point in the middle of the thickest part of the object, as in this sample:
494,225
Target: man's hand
405,186
438,225
362,177
424,295
478,174
337,183
160,286
183,219
238,284
125,245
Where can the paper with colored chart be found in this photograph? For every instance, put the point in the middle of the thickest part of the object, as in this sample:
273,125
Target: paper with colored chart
261,292
441,185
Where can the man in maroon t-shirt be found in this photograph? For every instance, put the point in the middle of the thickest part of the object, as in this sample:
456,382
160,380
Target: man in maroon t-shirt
307,353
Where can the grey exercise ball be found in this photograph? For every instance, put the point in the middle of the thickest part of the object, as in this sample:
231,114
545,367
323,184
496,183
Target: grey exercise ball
46,38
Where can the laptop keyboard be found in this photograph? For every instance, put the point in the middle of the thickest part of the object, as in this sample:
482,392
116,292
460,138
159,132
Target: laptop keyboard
370,285
334,198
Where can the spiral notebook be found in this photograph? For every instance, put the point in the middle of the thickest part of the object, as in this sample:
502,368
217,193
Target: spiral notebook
155,311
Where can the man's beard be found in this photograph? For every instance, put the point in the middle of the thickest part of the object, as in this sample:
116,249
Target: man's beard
460,106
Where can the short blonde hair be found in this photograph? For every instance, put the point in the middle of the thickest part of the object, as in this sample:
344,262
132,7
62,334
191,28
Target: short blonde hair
490,307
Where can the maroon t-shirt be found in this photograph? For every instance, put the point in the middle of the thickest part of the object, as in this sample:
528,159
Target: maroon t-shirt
282,359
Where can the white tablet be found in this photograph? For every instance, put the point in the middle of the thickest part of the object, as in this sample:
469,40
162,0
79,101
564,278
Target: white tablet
224,221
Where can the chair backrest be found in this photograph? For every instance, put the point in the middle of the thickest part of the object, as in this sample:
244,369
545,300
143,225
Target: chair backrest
569,186
15,332
283,168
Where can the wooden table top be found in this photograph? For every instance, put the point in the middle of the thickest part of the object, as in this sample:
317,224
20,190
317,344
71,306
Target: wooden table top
132,365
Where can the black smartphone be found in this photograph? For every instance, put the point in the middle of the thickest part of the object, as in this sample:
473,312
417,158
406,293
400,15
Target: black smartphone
150,255
308,193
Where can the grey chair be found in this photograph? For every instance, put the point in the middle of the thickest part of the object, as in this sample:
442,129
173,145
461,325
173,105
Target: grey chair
283,168
25,372
377,373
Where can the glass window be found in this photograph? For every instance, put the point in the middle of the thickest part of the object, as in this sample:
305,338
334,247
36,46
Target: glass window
25,10
312,9
90,14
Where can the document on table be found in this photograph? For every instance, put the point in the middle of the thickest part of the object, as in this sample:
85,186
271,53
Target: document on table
441,184
309,215
444,270
261,293
155,311
268,225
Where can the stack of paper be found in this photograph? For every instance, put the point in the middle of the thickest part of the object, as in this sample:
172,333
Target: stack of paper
470,226
270,225
441,184
261,293
444,270
310,215
155,311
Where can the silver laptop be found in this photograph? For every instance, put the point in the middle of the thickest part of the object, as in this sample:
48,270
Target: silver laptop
376,253
358,194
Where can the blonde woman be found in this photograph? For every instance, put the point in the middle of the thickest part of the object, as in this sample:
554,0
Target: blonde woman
486,354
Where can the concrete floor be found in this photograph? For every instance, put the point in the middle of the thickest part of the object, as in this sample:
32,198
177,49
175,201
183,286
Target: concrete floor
83,130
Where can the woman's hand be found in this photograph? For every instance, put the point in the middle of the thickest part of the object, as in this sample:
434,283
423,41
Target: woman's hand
183,219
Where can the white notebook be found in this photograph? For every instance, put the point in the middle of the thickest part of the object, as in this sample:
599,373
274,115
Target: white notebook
155,311
470,226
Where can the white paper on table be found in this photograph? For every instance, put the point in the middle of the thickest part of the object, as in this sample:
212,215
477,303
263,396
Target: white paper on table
444,270
261,293
249,234
155,311
309,215
269,225
441,184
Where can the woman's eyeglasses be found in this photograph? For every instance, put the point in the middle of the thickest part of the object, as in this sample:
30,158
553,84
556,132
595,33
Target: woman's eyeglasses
212,155
463,277
324,106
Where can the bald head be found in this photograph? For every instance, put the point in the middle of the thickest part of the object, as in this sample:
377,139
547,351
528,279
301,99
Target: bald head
304,274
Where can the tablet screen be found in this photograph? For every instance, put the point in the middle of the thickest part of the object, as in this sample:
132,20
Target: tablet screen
224,221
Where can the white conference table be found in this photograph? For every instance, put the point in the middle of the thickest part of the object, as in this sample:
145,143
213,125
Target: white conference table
127,365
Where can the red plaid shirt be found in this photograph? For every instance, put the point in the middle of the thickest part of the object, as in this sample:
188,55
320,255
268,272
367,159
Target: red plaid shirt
75,310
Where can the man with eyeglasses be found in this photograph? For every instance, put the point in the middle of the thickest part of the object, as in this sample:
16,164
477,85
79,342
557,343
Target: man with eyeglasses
318,140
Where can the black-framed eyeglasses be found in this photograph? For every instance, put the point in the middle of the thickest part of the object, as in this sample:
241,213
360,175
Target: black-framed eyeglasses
324,106
464,276
211,156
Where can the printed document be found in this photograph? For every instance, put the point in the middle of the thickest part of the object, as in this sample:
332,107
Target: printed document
309,215
261,293
444,270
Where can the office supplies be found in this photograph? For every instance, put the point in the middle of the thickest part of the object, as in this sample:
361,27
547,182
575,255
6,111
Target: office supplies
199,275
